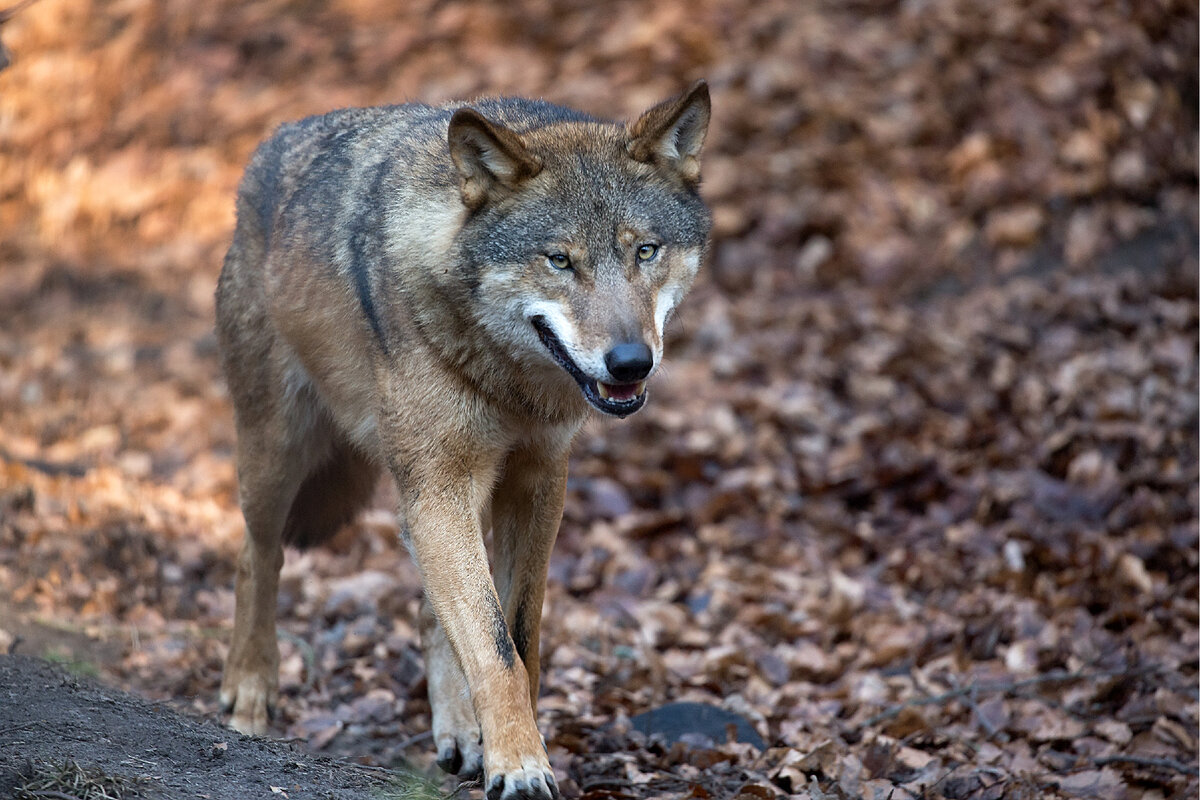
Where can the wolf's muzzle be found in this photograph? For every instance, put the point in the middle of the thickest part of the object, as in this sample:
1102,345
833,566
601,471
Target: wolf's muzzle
617,399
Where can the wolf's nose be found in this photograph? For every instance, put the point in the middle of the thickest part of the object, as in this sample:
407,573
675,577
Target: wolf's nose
629,363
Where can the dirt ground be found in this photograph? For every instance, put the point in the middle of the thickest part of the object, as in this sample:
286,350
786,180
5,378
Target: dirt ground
915,498
143,749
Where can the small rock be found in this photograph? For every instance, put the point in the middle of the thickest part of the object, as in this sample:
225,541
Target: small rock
674,721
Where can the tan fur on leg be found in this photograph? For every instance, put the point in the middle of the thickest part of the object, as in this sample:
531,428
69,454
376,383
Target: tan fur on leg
527,505
250,684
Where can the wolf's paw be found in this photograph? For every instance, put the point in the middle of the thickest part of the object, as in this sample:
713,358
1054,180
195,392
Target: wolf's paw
456,733
460,754
532,779
252,699
531,782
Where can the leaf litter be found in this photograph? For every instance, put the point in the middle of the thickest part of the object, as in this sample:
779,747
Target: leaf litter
916,494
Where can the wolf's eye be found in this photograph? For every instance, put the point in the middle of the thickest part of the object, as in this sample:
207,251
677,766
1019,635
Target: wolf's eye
647,252
559,260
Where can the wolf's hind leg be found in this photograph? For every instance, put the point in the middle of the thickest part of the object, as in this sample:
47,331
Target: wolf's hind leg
250,684
276,453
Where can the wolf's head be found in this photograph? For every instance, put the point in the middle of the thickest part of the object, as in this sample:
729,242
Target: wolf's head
583,235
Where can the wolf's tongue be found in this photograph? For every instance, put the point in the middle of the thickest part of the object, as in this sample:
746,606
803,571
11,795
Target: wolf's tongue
620,391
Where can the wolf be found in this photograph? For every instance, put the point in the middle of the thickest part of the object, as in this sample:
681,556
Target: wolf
442,293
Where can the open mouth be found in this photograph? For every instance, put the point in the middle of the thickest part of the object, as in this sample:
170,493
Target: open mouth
617,399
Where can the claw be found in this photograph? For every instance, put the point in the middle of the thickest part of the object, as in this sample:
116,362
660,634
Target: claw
450,759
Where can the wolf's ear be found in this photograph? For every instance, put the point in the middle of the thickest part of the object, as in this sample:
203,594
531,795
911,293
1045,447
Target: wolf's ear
489,157
672,132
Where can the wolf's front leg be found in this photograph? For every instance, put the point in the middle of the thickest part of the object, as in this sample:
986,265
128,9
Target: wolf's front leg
456,733
443,499
527,507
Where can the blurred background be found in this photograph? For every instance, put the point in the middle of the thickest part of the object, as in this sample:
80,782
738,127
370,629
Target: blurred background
928,420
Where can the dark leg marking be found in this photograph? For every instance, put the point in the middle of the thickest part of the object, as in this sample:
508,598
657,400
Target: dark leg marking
503,641
520,633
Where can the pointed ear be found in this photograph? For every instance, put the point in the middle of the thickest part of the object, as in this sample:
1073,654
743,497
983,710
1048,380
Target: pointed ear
672,132
489,157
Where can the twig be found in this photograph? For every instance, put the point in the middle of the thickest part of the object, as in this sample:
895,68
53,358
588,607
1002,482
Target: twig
53,469
969,699
1146,761
1005,688
307,654
416,738
52,794
371,768
22,726
464,788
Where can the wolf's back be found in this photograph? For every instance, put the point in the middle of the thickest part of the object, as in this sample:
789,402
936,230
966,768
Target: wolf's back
348,150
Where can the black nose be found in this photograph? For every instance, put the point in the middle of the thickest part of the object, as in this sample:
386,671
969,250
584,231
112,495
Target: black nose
629,363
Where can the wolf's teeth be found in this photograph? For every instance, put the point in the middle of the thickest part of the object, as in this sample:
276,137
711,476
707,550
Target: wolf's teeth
603,390
641,387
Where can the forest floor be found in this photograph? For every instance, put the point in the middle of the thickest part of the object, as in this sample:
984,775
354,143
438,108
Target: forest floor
915,496
66,736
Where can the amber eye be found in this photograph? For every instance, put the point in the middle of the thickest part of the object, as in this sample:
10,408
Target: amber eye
647,252
559,260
